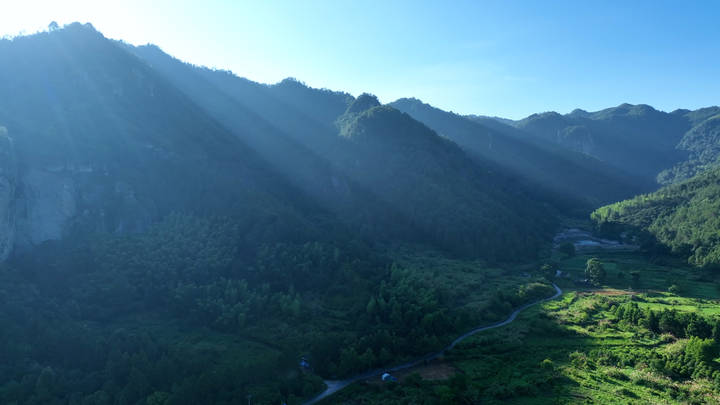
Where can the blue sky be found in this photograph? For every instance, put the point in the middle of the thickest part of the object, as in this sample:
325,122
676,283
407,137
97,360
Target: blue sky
505,58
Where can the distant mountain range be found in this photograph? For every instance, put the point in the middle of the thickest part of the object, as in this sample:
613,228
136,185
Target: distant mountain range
111,137
540,163
638,139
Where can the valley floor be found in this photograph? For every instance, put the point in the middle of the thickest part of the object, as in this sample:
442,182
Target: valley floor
628,341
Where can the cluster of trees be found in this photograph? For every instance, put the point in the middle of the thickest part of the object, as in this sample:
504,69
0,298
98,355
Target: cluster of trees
75,364
694,357
678,324
406,318
402,318
595,271
151,317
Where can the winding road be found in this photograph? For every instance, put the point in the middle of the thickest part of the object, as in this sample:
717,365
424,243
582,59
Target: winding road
334,386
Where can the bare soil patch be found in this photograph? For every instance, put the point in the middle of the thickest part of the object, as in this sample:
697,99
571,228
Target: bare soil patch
608,292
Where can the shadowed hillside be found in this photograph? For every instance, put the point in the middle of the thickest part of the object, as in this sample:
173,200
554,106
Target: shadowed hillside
103,143
544,164
305,125
635,138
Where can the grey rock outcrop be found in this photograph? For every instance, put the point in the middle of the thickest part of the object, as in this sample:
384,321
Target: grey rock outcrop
46,205
46,202
8,179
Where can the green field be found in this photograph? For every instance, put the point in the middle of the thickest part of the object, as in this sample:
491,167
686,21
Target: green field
583,348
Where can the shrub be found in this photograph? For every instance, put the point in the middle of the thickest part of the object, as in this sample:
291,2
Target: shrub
547,364
626,393
617,374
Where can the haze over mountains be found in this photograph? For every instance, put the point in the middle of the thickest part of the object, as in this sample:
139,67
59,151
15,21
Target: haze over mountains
137,188
542,163
92,108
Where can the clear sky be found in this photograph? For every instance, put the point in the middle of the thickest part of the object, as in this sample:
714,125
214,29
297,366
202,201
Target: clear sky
505,58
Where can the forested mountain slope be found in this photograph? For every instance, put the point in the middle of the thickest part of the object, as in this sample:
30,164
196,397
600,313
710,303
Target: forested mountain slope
682,216
177,235
703,144
285,110
463,205
635,138
287,139
405,196
102,143
658,146
548,166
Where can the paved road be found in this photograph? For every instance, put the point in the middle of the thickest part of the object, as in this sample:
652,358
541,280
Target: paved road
334,386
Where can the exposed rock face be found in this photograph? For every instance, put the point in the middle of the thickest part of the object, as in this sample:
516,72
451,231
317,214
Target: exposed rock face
579,139
40,203
47,203
52,202
7,195
35,206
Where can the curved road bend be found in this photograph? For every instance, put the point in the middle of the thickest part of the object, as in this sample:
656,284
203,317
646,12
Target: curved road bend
334,386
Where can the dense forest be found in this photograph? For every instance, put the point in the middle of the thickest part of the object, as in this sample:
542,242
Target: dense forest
176,234
681,216
183,314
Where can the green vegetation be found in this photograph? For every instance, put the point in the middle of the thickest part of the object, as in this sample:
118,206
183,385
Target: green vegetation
180,235
654,145
185,314
382,173
544,165
703,144
568,249
637,139
600,346
456,203
682,217
595,271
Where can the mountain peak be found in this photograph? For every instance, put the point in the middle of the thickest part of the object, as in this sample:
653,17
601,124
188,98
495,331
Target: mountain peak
579,113
291,82
636,109
364,102
409,100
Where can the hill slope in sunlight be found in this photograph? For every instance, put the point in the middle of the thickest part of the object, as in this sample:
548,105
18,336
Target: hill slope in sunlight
681,216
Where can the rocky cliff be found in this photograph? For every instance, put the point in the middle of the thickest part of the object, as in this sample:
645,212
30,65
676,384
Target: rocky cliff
7,194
